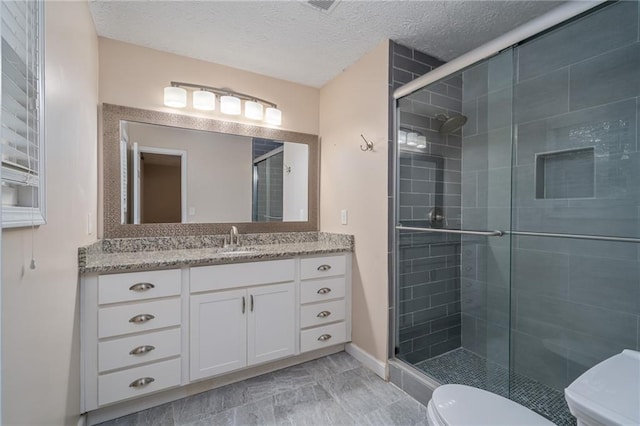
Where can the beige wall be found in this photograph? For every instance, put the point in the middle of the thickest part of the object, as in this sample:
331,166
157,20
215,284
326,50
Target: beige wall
135,76
40,347
354,103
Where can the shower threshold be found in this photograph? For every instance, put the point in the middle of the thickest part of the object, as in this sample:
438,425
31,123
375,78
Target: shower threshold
461,366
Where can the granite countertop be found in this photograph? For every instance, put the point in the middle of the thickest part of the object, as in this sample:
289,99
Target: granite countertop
135,254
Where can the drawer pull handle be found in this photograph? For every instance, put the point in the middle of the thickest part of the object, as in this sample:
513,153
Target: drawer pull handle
324,337
141,350
142,382
142,287
324,290
142,318
324,267
324,314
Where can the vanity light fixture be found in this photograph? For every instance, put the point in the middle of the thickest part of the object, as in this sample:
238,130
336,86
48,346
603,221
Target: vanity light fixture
412,139
230,105
204,98
253,110
273,116
175,97
402,137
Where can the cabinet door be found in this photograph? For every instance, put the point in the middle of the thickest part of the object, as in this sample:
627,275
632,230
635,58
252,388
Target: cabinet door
271,330
218,333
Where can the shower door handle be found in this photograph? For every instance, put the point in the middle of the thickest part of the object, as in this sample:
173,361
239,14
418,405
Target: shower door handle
495,233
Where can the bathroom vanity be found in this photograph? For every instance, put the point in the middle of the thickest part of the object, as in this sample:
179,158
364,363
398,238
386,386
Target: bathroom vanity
160,320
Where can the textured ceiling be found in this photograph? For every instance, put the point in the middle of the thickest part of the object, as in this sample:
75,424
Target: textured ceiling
293,41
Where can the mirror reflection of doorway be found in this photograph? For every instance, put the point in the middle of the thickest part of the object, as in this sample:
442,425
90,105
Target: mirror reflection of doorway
160,188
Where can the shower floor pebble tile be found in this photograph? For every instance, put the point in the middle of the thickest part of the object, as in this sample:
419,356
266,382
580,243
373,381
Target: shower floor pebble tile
461,366
334,390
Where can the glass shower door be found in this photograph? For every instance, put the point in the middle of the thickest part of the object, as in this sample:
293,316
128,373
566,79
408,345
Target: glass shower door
268,188
576,228
454,185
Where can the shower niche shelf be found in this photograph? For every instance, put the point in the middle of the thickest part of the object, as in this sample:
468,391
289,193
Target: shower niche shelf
565,174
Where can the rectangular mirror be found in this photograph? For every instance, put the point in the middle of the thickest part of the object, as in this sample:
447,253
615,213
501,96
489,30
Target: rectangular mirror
170,174
176,175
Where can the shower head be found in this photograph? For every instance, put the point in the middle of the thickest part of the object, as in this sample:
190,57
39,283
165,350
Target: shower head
451,124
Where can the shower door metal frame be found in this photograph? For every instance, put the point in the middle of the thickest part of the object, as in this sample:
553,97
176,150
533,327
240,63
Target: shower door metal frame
532,28
536,26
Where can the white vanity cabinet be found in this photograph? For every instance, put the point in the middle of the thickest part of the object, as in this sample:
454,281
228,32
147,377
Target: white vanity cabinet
232,329
325,301
131,328
146,332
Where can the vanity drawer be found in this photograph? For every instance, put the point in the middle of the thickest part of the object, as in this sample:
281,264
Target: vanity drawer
116,320
117,386
320,290
150,347
138,286
218,277
322,313
318,267
320,337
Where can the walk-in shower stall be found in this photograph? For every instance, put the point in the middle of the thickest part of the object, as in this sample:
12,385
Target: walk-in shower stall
517,222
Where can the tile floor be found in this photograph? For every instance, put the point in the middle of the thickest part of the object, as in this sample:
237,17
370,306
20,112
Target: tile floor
334,390
464,367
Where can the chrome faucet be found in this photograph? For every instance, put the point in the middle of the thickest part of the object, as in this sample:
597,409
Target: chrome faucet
234,238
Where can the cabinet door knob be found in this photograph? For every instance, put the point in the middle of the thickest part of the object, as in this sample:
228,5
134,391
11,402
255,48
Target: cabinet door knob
141,382
324,290
324,267
142,287
324,337
324,314
142,318
140,350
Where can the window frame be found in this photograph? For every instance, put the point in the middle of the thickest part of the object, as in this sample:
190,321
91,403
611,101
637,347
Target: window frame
21,216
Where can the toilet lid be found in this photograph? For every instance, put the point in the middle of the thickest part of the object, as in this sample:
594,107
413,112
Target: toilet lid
610,391
465,405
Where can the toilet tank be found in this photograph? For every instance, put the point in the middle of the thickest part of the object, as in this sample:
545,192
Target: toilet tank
608,393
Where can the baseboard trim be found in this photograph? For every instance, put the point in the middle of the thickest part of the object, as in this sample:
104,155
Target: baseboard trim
369,361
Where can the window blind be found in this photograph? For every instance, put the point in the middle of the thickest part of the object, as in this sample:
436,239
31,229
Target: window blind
21,113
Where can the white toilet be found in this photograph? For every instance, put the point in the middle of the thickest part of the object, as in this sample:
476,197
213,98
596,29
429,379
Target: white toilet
460,405
608,393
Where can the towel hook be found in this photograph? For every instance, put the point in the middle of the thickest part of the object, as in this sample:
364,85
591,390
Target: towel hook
368,147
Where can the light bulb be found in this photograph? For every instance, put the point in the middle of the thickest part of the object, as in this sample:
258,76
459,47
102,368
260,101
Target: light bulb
402,137
412,139
175,97
230,105
204,100
273,116
253,110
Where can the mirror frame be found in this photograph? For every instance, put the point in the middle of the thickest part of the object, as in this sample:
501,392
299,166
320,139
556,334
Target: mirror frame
112,228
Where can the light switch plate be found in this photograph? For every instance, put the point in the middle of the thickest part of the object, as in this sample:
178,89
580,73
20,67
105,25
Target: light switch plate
344,216
89,224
